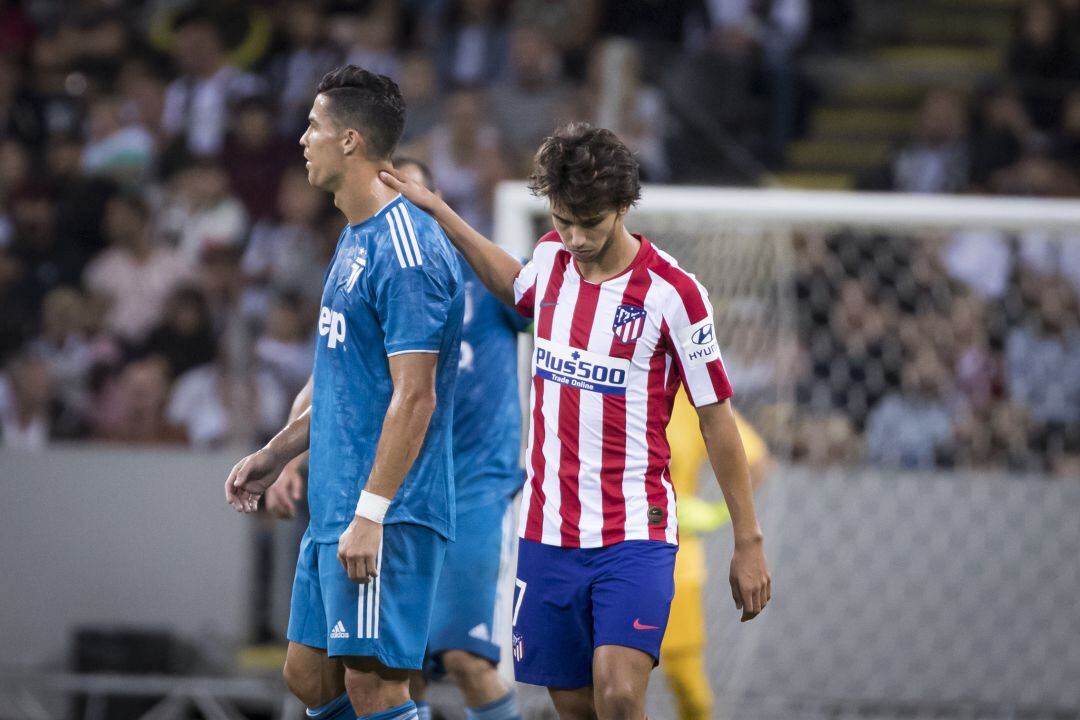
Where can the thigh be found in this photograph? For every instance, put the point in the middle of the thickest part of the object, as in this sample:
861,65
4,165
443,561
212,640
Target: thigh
620,680
388,618
631,595
307,613
464,616
552,617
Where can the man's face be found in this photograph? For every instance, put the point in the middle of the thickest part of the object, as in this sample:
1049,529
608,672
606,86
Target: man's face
586,238
323,150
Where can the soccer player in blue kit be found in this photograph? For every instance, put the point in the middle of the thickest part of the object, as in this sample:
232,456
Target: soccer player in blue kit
379,429
465,628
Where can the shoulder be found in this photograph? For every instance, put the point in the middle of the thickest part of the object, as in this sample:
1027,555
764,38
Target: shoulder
677,287
547,248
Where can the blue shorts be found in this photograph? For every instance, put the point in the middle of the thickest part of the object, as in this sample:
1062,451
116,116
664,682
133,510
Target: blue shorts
570,601
466,614
387,618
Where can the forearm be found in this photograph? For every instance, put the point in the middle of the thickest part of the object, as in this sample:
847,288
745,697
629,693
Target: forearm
293,439
728,460
495,267
403,432
303,400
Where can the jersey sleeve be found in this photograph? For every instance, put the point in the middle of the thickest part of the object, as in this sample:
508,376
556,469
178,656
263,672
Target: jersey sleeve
525,289
413,302
692,335
525,282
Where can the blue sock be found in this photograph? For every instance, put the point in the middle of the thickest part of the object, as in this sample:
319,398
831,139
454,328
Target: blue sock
405,711
505,708
337,709
423,710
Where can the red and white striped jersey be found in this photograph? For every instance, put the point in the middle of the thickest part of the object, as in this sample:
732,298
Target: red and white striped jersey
607,362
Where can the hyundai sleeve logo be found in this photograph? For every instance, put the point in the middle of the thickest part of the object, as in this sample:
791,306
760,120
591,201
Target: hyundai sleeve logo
703,336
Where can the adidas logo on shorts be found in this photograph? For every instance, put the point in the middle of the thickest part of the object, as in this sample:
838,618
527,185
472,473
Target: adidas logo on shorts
480,632
339,631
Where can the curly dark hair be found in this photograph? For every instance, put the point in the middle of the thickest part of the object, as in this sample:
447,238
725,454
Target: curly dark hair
369,103
585,170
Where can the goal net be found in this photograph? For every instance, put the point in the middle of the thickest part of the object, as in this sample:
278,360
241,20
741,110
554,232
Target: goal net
914,365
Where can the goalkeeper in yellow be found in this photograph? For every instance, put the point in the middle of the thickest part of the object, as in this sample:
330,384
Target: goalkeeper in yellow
683,651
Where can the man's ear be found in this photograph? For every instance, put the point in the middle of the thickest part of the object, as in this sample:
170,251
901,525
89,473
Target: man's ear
352,142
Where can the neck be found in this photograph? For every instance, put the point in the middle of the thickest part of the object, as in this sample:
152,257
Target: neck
617,257
361,193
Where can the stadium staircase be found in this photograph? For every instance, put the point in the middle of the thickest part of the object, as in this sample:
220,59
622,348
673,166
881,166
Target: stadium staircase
869,96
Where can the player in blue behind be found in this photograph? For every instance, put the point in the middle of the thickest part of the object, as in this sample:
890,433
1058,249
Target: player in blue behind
466,629
381,490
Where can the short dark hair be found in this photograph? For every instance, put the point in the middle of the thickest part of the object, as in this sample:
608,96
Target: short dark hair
367,102
425,171
586,170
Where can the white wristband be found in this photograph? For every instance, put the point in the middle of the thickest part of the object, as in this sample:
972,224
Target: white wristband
372,506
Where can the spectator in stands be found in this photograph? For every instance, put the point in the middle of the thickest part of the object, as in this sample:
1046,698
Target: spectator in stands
912,429
1042,60
117,149
1042,373
420,89
283,350
62,345
775,32
133,273
624,103
936,159
142,87
1003,132
471,44
89,35
569,25
465,159
185,338
22,115
201,213
255,156
214,404
284,254
526,102
296,68
197,102
25,404
1068,139
139,406
369,34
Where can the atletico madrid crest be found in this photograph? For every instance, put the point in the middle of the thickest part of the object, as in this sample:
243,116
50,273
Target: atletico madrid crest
629,323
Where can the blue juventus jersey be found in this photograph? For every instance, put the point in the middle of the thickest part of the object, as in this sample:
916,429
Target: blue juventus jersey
487,414
394,286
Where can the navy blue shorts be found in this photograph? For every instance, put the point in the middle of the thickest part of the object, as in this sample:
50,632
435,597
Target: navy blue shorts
570,601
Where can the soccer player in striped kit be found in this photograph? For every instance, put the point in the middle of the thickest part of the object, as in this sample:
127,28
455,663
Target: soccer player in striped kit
618,327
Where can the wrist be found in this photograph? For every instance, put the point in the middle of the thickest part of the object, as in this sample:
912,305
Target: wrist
372,507
749,539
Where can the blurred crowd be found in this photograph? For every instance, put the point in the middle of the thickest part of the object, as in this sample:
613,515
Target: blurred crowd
1017,134
958,349
161,253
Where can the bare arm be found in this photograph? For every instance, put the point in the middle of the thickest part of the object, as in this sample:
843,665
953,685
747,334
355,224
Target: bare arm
282,496
403,430
495,267
406,422
751,585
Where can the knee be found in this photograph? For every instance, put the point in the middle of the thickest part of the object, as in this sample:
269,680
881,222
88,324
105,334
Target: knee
618,700
303,682
466,669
